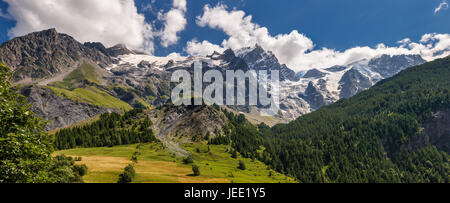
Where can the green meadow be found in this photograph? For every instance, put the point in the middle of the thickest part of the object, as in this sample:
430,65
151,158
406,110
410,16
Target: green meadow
158,165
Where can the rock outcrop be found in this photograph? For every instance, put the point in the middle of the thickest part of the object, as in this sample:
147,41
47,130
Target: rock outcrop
60,111
44,54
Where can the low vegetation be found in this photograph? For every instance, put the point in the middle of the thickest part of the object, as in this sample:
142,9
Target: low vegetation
158,165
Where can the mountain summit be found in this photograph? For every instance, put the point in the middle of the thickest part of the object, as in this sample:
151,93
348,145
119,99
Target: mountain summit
46,54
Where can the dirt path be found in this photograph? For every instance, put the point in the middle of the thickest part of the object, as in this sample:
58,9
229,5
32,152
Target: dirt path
60,76
162,133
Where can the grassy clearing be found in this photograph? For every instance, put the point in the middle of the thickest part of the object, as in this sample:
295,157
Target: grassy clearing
86,72
92,95
74,87
157,165
218,163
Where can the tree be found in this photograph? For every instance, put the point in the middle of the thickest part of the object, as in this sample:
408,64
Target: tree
241,165
234,154
128,174
196,170
24,147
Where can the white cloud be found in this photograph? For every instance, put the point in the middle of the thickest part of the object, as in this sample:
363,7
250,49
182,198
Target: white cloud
203,48
442,6
174,23
107,21
295,49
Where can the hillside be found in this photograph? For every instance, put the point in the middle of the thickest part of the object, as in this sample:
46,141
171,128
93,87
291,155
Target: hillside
397,131
163,138
156,164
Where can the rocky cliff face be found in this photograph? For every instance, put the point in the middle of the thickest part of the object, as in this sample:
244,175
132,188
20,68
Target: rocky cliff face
387,66
44,54
61,112
325,86
259,59
437,130
136,77
352,83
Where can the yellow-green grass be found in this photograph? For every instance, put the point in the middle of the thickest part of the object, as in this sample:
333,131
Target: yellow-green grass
92,95
218,163
85,72
157,165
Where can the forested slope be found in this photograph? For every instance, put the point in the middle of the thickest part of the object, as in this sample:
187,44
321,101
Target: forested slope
376,136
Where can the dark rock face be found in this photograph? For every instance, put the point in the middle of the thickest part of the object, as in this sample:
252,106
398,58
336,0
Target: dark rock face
97,45
61,112
437,130
388,66
352,83
313,96
336,68
314,73
118,50
259,59
145,64
44,54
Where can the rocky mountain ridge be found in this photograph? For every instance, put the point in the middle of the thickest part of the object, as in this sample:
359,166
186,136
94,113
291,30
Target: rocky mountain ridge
139,78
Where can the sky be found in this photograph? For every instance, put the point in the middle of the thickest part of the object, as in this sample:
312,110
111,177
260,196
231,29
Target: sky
303,34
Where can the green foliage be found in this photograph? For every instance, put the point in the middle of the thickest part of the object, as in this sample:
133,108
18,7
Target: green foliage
241,165
112,129
128,174
372,137
24,147
64,170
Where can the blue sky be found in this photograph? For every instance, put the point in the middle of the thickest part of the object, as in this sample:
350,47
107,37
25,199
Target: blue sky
334,24
337,25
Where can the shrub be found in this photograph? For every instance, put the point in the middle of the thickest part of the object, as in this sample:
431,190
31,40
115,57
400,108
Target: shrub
127,175
81,169
241,165
196,170
188,160
233,154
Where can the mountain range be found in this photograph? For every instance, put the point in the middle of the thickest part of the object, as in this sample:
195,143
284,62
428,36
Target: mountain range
44,59
381,119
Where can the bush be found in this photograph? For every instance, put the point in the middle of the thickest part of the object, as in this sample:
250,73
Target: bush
196,170
233,154
241,165
81,169
188,160
128,175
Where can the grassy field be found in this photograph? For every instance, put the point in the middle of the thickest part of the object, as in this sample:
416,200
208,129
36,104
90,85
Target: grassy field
92,95
71,87
157,165
85,72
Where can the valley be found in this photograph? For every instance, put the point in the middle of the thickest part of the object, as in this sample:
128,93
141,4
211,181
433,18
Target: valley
380,119
156,164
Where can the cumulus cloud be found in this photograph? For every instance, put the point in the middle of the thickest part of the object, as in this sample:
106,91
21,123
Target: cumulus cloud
203,48
107,21
295,49
174,23
442,6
